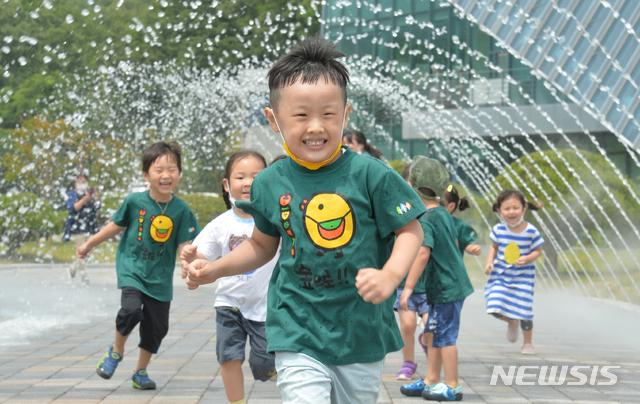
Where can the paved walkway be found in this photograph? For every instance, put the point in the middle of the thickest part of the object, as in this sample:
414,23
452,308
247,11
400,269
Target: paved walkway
54,362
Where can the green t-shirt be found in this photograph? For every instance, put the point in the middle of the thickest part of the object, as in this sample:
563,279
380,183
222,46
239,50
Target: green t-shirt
146,256
332,222
466,234
447,279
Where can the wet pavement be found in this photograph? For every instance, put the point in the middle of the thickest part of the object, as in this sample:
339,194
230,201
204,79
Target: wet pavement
53,333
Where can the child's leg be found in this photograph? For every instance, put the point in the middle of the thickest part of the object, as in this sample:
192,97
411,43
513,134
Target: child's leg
527,330
512,330
233,380
143,359
442,342
118,346
408,331
231,340
434,361
449,355
262,363
302,379
305,380
154,326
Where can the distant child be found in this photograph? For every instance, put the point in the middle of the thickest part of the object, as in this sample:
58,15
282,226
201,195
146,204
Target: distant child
241,300
83,205
416,304
447,284
156,223
330,321
465,233
516,245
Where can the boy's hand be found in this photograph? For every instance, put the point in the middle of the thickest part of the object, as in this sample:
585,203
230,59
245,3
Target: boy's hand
185,268
83,250
189,253
374,285
522,261
200,272
473,249
404,298
488,268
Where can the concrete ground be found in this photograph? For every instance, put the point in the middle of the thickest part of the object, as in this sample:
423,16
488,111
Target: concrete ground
53,333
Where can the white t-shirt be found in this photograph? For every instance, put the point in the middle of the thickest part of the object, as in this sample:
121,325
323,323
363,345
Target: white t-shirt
247,292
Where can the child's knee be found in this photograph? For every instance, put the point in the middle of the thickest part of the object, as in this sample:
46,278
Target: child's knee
526,325
262,367
127,319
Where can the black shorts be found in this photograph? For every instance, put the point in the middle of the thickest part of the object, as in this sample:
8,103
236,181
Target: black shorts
153,316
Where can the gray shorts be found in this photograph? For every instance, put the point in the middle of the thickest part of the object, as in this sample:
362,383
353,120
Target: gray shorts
232,330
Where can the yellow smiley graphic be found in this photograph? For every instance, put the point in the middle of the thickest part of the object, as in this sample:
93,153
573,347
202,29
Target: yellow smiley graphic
161,228
328,221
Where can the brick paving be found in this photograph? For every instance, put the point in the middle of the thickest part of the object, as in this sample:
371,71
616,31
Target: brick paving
58,366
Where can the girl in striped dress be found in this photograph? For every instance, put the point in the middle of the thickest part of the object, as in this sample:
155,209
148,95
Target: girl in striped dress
510,264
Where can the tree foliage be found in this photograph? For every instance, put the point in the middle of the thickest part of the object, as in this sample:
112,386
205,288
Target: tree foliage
600,210
25,215
44,158
48,44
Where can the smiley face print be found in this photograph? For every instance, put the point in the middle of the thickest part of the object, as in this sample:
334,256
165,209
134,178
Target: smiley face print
161,228
328,221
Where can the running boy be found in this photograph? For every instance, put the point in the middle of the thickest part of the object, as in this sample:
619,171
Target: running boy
447,284
335,212
156,223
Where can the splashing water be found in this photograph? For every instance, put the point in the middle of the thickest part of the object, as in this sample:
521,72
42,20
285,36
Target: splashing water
465,107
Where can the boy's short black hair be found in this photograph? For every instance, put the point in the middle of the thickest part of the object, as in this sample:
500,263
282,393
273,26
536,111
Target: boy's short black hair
308,61
159,149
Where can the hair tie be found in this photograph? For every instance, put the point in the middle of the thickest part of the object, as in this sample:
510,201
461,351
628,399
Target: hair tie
450,188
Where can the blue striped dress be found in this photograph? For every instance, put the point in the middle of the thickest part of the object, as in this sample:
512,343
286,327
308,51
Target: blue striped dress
509,290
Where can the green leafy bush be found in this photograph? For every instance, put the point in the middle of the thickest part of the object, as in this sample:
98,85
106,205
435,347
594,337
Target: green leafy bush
574,195
204,207
25,216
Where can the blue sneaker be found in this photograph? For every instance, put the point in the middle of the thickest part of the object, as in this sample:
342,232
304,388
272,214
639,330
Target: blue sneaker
414,389
108,364
141,380
442,392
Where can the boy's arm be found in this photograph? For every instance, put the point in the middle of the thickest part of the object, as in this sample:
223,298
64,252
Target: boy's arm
251,254
493,251
108,231
414,274
188,253
376,285
473,249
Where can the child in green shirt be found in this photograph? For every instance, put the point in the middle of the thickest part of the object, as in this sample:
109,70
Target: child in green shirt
156,225
447,284
330,321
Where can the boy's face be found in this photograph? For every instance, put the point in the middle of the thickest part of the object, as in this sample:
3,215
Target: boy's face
311,118
163,177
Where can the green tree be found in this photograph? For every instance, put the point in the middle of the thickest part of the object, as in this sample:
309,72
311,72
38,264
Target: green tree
44,158
575,199
24,216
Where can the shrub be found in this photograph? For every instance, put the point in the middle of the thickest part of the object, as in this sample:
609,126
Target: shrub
205,207
558,184
25,216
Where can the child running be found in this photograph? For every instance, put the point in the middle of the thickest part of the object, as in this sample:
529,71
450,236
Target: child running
156,224
447,284
416,304
465,233
510,264
241,300
330,321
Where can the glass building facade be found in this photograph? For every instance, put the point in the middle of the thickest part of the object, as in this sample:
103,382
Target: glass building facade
367,28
